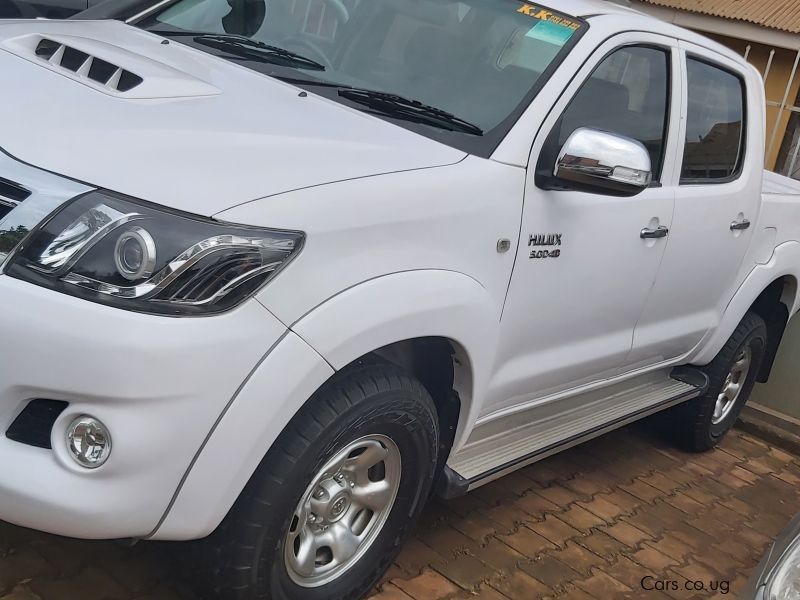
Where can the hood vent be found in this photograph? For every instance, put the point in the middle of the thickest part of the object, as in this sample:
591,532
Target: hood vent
11,194
84,65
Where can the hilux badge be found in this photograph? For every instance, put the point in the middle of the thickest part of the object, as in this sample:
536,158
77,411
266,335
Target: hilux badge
545,239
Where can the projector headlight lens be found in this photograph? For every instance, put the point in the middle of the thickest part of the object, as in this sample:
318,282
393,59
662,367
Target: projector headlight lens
135,254
131,254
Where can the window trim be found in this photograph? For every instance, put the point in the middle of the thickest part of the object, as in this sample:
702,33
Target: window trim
743,154
547,181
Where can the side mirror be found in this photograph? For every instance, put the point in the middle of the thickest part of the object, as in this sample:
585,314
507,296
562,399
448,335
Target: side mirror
604,162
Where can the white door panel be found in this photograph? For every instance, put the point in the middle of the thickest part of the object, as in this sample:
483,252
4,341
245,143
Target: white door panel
569,320
702,265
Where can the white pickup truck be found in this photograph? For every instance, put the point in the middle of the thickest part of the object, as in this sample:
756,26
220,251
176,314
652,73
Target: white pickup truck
273,272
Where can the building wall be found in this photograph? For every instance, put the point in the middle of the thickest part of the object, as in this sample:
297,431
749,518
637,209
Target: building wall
782,393
780,72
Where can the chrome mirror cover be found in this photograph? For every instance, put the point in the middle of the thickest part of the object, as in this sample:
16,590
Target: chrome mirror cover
605,161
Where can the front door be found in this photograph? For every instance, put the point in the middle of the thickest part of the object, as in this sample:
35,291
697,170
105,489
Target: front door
583,272
718,198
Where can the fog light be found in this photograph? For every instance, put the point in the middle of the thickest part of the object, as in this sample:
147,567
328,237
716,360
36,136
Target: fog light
89,442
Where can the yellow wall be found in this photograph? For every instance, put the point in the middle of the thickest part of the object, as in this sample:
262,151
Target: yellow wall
779,75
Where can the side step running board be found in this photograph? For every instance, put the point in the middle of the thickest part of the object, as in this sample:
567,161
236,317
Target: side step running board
508,443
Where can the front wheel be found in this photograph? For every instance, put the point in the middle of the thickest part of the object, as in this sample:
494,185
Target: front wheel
329,506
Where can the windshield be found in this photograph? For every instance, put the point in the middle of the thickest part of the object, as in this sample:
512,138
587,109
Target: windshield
459,71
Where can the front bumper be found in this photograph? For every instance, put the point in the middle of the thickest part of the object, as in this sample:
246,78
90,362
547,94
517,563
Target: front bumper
158,383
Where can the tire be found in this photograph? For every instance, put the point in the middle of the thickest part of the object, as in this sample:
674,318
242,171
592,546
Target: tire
258,552
702,423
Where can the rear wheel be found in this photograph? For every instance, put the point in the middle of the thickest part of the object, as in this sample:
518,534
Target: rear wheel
701,424
328,508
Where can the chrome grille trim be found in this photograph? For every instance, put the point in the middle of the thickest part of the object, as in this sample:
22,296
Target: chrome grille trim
48,192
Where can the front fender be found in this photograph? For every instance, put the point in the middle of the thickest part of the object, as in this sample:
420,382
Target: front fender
408,305
353,323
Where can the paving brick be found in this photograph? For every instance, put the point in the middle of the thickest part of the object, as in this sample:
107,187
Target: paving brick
788,477
626,533
696,570
527,542
602,544
478,527
642,490
652,559
449,541
558,495
603,586
499,556
23,564
414,556
550,571
488,593
428,585
672,547
391,592
781,455
759,467
578,558
603,508
627,571
465,505
685,504
466,570
732,481
521,586
590,484
580,518
89,584
535,505
554,529
701,495
508,516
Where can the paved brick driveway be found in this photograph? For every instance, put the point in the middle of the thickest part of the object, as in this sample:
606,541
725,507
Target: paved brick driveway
589,523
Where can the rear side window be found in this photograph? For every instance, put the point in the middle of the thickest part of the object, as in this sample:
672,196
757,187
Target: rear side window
714,149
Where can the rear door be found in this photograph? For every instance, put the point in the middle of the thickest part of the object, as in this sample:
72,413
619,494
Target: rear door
718,197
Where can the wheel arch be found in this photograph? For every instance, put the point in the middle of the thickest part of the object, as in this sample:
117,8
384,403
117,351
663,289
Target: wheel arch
771,291
417,318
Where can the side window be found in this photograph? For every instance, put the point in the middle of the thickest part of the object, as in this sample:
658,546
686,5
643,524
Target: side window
628,94
714,126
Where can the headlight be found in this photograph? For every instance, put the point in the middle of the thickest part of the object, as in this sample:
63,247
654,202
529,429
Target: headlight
784,584
112,249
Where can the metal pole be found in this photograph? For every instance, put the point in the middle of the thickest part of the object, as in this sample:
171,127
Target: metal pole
783,106
747,51
769,65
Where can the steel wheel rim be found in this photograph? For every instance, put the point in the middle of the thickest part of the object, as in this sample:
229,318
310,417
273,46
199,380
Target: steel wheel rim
342,511
732,388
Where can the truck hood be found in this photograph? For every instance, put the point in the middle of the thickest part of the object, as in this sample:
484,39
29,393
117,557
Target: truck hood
174,125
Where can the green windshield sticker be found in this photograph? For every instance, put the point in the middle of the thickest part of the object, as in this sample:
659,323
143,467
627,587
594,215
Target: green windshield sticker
548,16
552,33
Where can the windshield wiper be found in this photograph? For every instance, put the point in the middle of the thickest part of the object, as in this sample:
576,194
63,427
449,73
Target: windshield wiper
246,47
397,106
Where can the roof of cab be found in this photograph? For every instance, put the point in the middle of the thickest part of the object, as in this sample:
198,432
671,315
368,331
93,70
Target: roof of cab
597,8
586,8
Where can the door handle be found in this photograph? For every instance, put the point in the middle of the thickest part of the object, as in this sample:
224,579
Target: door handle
654,234
740,225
